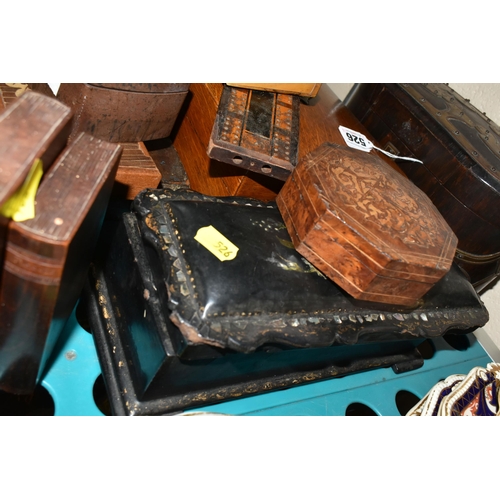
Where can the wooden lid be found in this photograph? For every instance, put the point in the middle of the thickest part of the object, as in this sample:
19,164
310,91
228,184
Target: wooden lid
69,189
33,126
385,218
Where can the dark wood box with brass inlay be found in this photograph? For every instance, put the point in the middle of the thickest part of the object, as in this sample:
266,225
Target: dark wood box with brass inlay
460,148
366,226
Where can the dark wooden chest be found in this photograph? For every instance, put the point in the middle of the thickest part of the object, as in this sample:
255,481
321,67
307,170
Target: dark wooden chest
460,148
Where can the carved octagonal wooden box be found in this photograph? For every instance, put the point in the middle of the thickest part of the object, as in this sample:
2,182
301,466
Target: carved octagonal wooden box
366,226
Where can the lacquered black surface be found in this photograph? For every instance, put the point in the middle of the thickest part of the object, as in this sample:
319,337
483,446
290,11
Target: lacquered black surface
266,273
269,293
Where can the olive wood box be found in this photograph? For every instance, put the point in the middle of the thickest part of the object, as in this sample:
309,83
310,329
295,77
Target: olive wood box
366,226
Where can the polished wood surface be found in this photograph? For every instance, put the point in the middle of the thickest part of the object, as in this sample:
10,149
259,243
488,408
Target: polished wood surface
191,141
38,126
320,119
318,123
302,89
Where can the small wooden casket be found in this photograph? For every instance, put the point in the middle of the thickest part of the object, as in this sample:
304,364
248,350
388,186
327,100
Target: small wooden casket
366,226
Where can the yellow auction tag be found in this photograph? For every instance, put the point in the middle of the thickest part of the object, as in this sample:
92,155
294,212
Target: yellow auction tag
21,205
216,243
21,88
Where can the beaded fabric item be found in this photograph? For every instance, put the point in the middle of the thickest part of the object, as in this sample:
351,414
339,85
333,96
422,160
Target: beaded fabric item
475,394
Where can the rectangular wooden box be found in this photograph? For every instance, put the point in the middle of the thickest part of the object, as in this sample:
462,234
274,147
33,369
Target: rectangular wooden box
47,258
49,127
257,131
460,148
365,226
38,126
191,140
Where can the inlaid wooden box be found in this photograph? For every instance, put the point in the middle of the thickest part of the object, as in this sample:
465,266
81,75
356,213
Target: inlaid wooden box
366,226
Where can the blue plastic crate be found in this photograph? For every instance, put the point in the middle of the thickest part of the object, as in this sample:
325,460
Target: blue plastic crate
75,370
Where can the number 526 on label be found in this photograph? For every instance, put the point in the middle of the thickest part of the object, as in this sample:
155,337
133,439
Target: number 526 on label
216,243
355,140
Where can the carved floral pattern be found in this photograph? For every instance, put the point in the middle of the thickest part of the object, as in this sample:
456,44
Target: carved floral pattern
370,194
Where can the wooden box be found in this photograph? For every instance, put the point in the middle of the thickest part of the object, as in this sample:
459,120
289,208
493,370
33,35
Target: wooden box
257,131
305,90
47,258
366,226
123,112
460,148
39,127
191,139
137,171
47,135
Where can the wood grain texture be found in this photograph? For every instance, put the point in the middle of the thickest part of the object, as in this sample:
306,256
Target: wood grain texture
366,226
7,95
168,163
167,88
191,141
136,171
121,115
47,258
320,120
256,131
32,127
460,148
